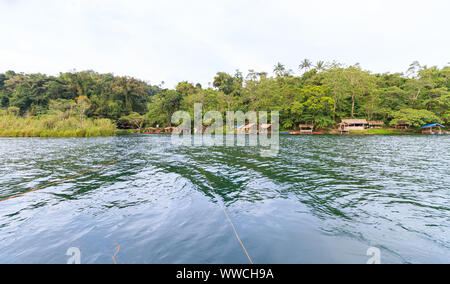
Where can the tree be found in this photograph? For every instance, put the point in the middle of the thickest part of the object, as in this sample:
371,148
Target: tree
322,94
134,119
359,83
314,105
320,65
372,105
334,79
83,104
306,65
415,117
279,69
2,81
163,106
62,108
230,85
185,88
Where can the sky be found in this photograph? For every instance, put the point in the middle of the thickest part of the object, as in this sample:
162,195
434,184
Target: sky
178,40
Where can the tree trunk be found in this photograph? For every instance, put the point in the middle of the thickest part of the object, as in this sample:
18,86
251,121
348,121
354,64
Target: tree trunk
335,107
353,105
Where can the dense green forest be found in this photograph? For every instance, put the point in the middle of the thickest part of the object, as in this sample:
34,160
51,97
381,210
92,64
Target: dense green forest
322,94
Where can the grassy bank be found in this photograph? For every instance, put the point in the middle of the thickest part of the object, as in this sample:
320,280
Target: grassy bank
54,126
57,126
383,132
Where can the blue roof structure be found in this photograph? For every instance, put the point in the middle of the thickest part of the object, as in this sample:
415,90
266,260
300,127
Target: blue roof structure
433,125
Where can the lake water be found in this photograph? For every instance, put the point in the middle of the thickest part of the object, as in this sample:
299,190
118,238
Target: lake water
323,199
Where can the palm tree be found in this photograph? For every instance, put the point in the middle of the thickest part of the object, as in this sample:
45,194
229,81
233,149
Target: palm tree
320,65
306,64
279,69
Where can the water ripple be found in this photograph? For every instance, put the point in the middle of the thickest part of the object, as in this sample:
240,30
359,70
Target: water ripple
322,199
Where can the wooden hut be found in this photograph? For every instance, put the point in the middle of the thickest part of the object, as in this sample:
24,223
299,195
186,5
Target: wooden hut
200,130
348,125
153,130
265,128
306,128
376,124
240,129
402,125
248,129
171,130
429,129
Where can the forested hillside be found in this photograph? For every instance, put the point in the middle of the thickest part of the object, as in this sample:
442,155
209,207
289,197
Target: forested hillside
321,93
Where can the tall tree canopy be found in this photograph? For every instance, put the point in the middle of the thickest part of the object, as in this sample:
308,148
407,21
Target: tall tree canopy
323,94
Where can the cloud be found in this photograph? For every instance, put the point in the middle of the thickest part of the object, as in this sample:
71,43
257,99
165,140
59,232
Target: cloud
192,40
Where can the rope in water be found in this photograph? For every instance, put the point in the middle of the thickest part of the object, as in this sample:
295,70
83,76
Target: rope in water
61,181
230,221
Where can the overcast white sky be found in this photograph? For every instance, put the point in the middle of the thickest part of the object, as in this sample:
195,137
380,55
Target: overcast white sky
174,40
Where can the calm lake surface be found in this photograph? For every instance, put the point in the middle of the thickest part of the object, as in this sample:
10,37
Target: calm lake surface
323,199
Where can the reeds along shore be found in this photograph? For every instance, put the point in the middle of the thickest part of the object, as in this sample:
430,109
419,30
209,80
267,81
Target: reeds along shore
54,126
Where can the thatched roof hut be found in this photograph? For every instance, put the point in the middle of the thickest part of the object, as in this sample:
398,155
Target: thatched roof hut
200,130
265,128
353,122
306,128
152,130
376,124
249,128
170,130
428,129
348,125
402,124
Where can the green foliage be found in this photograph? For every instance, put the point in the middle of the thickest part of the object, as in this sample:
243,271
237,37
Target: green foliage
415,117
133,120
323,94
230,85
102,95
163,106
314,106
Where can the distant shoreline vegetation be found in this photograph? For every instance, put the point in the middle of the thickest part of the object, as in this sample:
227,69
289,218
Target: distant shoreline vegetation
84,104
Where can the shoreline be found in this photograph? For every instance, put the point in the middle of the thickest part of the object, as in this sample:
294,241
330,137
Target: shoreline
165,134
